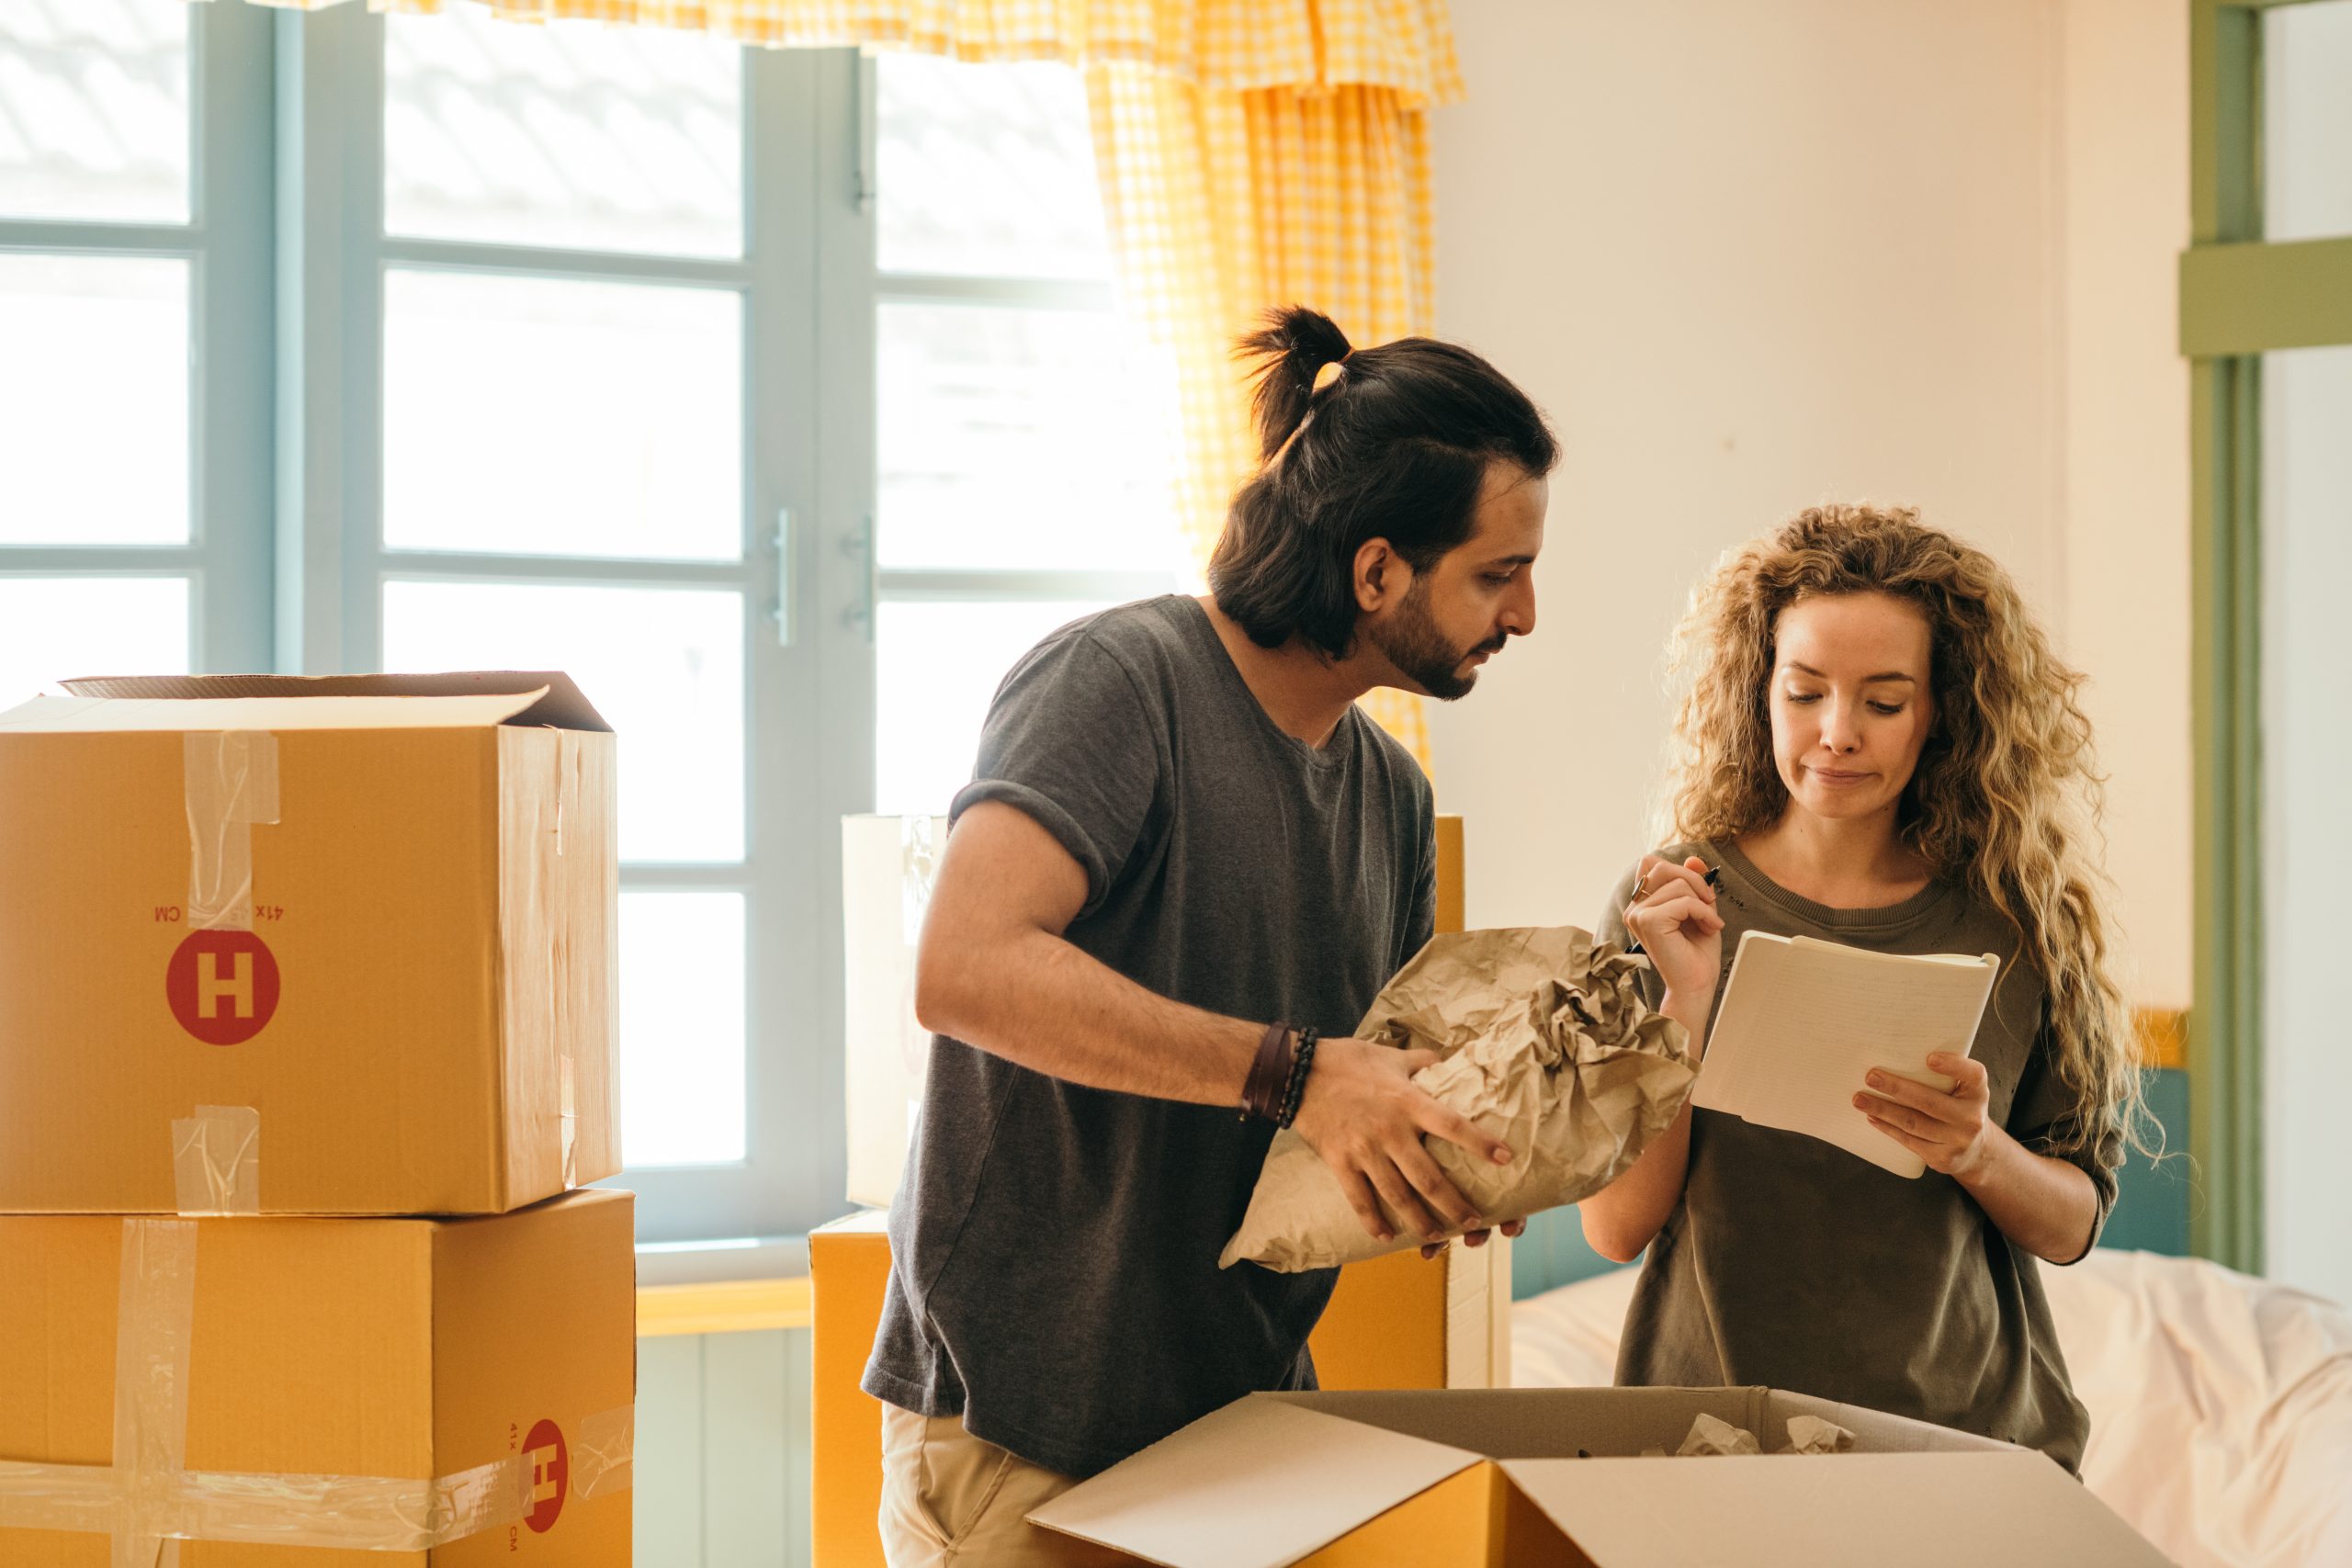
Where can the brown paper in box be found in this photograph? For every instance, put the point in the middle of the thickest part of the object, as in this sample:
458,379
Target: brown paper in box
276,945
1548,1046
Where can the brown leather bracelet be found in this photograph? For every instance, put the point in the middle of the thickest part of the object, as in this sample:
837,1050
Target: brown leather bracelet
1261,1094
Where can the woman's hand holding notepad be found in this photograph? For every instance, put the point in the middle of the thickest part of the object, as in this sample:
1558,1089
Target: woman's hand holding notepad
1802,1022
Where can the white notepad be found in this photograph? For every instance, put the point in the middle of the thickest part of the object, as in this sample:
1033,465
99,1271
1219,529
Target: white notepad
1804,1021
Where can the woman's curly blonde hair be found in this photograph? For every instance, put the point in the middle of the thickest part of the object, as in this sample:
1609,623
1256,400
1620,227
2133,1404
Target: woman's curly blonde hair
2006,797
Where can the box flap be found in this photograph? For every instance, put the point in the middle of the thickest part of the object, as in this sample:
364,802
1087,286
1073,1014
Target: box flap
95,716
1875,1431
1619,1423
1830,1511
865,1222
1543,1423
553,700
1261,1483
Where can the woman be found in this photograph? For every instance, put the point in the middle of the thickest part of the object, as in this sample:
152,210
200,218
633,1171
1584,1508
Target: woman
1877,747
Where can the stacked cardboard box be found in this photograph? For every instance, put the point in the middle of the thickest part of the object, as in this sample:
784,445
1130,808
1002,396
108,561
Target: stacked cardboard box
306,1037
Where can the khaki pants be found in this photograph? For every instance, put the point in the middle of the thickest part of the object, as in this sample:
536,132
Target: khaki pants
950,1499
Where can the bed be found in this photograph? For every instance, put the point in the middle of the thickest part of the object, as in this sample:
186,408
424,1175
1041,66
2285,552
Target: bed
2221,1404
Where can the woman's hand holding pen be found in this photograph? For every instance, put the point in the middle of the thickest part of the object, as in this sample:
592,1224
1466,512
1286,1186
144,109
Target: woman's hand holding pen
1673,917
1950,1129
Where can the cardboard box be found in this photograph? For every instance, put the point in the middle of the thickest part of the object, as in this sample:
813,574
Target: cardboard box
470,1378
1499,1478
1393,1322
889,866
338,946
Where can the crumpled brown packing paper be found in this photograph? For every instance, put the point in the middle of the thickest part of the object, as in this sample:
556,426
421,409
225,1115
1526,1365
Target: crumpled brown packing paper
1548,1046
1808,1434
1712,1435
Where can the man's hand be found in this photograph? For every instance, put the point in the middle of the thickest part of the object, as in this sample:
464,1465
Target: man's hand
1365,1116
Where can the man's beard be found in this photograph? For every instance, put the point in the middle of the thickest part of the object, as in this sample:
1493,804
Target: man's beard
1419,650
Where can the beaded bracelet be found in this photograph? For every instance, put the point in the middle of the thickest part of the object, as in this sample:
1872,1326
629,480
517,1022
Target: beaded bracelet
1295,1090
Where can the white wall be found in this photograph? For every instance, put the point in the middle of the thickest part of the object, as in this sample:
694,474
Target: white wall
2124,128
1750,257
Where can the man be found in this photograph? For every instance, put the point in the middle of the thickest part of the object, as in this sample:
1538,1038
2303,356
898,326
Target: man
1183,849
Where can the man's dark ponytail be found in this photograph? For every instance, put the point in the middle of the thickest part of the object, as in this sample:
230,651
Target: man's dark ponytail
1285,356
1395,447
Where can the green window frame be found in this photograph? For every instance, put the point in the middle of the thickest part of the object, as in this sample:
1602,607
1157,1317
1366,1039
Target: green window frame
2241,297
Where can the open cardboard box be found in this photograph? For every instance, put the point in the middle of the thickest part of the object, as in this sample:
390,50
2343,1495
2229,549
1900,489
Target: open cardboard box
1498,1478
340,946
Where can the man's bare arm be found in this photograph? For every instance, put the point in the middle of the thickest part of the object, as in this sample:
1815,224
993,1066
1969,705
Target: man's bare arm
994,971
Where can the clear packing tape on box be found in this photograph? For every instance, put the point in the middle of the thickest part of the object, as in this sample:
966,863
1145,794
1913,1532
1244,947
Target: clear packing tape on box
1548,1046
148,1500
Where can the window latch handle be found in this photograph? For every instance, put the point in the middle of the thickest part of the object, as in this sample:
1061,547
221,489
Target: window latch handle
780,611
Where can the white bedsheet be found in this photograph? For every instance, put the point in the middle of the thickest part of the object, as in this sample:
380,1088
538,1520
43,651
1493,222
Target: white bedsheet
2221,1405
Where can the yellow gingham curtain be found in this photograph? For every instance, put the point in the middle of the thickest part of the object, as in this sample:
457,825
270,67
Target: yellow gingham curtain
1224,202
1252,152
1224,45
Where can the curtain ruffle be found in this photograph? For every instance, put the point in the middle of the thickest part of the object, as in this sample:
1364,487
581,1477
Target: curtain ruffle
1228,46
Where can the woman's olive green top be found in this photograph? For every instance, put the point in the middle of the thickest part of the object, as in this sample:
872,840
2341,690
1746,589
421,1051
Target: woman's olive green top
1791,1263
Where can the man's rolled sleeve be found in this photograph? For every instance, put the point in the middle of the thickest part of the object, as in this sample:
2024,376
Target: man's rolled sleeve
1068,742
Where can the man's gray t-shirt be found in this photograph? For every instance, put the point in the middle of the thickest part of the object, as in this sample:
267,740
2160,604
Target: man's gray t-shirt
1054,1276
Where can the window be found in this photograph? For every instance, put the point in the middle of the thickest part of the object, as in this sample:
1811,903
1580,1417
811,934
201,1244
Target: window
563,429
445,341
127,304
1021,480
2304,532
2306,53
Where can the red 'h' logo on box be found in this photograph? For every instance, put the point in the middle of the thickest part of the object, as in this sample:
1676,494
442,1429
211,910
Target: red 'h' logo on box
222,986
550,1463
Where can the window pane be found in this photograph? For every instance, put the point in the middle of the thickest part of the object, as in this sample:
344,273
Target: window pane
663,665
682,1032
2307,836
94,368
568,133
56,628
937,665
986,169
93,110
538,417
1022,438
2307,120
